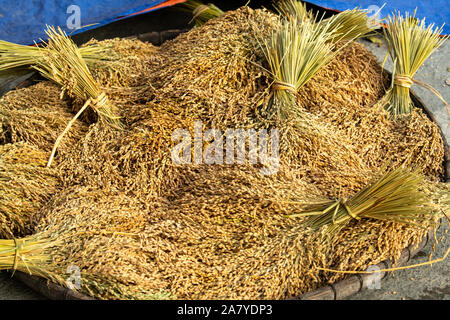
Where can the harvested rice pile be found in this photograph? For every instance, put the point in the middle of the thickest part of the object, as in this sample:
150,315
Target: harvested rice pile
214,75
139,226
25,185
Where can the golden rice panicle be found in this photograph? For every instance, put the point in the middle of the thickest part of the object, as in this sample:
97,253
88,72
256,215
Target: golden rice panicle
64,65
126,68
26,185
220,81
410,43
37,115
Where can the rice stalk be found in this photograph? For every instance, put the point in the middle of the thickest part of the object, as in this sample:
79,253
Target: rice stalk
293,9
349,25
295,53
14,55
62,63
410,42
201,13
33,255
344,26
396,196
99,233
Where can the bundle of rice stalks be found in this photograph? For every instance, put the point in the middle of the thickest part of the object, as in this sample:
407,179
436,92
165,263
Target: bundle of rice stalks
353,109
215,77
202,13
16,55
344,26
25,184
295,53
395,196
94,232
410,43
63,64
37,115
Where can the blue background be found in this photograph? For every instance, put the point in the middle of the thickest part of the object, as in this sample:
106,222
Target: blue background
435,11
23,21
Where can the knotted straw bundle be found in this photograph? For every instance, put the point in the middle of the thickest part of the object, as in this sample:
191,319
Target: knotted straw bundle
410,43
396,196
295,53
62,63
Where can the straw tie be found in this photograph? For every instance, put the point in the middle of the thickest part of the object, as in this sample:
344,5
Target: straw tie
407,82
280,85
97,103
19,246
403,81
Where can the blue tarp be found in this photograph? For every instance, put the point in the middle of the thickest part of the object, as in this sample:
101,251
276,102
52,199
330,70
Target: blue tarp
23,21
435,11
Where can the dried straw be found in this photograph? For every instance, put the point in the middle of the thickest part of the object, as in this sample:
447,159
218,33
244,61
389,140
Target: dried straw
410,43
395,196
15,55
